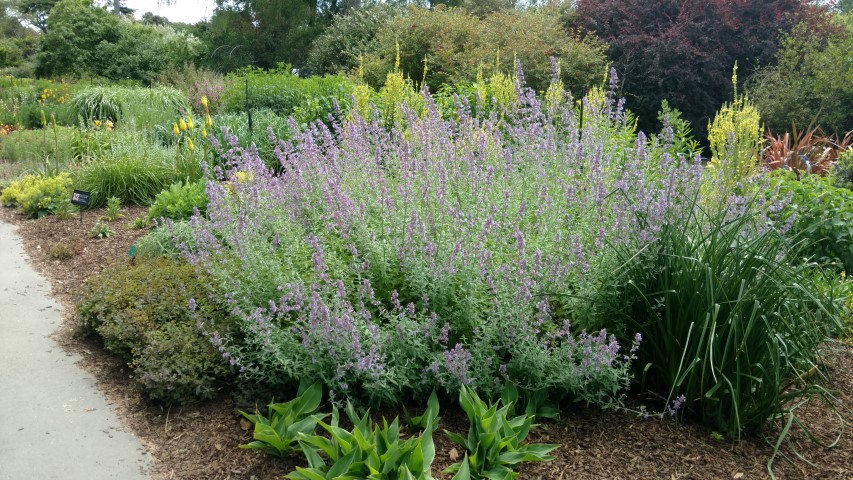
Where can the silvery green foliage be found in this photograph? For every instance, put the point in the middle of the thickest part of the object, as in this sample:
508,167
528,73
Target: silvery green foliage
452,249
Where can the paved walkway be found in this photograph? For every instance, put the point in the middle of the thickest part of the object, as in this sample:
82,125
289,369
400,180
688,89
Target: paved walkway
54,422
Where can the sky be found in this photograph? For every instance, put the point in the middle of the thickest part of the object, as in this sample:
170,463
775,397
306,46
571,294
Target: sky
186,11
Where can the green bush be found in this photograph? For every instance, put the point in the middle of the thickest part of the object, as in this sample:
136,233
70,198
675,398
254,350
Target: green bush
180,201
36,195
456,45
844,170
84,40
339,48
177,364
306,99
812,83
820,214
730,324
142,314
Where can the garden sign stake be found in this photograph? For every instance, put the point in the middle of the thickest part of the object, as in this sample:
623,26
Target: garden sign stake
81,199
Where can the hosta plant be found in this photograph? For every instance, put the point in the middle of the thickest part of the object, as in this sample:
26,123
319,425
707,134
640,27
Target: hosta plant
287,423
369,451
495,440
102,230
536,404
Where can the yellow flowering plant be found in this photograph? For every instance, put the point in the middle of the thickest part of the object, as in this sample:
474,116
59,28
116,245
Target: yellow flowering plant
734,136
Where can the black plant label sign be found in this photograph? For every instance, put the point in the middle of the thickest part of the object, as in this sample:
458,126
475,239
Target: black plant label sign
80,197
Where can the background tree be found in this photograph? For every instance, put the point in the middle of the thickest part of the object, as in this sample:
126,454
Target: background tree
74,30
812,81
84,40
35,12
684,50
265,33
349,37
17,42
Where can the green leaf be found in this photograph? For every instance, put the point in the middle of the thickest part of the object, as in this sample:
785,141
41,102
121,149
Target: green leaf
305,474
464,472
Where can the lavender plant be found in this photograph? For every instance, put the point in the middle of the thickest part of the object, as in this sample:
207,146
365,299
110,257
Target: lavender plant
449,250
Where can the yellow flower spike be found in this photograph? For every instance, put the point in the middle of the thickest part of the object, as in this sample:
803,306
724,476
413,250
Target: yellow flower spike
175,129
183,125
204,102
190,123
208,121
203,131
190,145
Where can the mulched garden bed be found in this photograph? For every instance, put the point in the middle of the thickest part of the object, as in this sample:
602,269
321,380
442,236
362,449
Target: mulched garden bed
199,441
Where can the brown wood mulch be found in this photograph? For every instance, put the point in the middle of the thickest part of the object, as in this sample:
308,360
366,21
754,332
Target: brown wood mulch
199,441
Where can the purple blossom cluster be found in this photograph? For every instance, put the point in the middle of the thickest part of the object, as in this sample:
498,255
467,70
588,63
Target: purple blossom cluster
439,252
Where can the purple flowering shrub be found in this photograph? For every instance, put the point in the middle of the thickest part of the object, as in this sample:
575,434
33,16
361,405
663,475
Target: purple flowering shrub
450,250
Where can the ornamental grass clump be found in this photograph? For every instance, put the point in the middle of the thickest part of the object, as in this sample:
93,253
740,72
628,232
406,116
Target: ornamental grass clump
731,326
452,251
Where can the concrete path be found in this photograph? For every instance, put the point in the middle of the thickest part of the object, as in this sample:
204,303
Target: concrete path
54,422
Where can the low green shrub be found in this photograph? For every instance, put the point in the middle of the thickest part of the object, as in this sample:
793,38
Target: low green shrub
820,214
139,223
37,195
177,364
102,230
143,314
494,441
65,210
113,210
179,201
306,99
61,250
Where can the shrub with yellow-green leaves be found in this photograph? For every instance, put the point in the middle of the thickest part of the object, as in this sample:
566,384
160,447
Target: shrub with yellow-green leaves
37,195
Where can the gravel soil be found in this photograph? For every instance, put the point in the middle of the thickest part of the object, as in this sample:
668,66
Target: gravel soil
199,441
